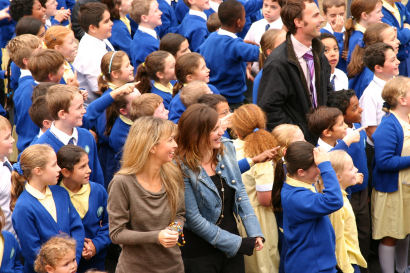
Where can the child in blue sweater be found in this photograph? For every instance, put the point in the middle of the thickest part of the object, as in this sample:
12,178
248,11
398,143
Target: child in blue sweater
390,196
41,209
148,16
11,254
90,201
226,54
66,105
193,27
174,43
307,229
155,75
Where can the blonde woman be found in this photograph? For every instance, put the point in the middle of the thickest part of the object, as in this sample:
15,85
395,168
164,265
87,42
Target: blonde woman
145,200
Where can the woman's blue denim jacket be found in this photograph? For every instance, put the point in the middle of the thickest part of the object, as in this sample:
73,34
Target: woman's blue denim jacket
203,204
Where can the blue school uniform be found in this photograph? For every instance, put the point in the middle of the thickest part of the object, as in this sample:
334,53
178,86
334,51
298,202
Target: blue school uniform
193,27
168,19
14,76
87,142
10,262
2,111
142,45
355,39
66,4
226,57
25,127
255,87
182,9
176,109
95,224
342,64
96,109
34,225
403,34
252,14
308,232
357,152
359,82
121,37
167,97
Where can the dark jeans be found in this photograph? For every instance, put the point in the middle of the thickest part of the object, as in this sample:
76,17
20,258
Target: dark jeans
216,262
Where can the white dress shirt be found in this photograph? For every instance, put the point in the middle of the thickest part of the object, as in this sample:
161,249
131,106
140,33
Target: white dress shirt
341,80
258,28
63,137
5,191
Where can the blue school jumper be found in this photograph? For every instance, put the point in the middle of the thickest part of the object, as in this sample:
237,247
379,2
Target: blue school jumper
308,232
14,76
357,152
3,111
168,18
252,14
176,109
6,26
388,144
10,262
34,225
87,142
355,39
226,57
182,9
342,64
121,38
142,45
167,97
255,88
359,82
95,224
193,28
403,34
25,127
66,4
96,109
118,136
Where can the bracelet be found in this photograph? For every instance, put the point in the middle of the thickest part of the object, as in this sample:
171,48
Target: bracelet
175,226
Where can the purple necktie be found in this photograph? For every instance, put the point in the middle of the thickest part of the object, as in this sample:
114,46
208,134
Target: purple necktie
309,60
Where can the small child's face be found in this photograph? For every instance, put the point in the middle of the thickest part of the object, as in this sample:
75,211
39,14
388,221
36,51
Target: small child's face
51,8
38,11
223,109
270,10
331,52
68,264
376,15
125,6
389,36
169,68
353,111
76,111
391,65
200,4
50,172
103,31
338,131
153,18
6,143
161,112
69,47
201,73
81,171
183,49
126,72
347,177
333,13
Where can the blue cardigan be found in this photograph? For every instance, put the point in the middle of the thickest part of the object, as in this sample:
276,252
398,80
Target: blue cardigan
168,19
95,224
193,28
358,153
34,225
10,262
142,45
308,232
403,34
388,144
167,97
121,38
226,57
355,39
359,82
87,142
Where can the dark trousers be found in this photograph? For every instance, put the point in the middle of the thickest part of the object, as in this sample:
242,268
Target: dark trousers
216,262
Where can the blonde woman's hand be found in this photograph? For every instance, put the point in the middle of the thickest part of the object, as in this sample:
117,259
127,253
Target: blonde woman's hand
168,238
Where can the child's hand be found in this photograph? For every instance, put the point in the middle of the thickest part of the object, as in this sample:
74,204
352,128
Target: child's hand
249,72
353,136
259,244
338,24
359,178
84,93
4,14
265,155
168,238
73,81
89,250
320,156
124,90
62,14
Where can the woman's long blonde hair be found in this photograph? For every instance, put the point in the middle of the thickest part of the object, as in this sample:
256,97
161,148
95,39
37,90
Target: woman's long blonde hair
145,133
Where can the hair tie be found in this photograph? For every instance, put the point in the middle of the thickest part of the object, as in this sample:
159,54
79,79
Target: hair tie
17,168
143,64
255,130
112,57
260,50
386,105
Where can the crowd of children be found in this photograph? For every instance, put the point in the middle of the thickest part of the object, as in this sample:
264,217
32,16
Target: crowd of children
136,147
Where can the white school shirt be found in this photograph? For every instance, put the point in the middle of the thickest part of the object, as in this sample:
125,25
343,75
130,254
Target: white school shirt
63,137
198,13
257,29
87,63
5,191
371,102
341,80
149,31
325,146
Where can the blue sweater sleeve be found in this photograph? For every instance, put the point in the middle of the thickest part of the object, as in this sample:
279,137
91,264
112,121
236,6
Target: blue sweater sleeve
341,145
244,165
95,109
197,38
76,230
245,52
102,239
309,205
121,37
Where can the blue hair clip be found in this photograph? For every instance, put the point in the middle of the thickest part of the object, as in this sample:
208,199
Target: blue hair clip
255,130
17,168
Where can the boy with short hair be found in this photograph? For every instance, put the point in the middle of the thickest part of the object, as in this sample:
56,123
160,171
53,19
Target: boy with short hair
226,55
335,13
148,16
193,26
6,148
20,49
95,21
40,115
66,106
380,59
271,20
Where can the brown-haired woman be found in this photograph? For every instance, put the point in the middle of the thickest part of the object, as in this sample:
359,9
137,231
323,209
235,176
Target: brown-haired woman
214,196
